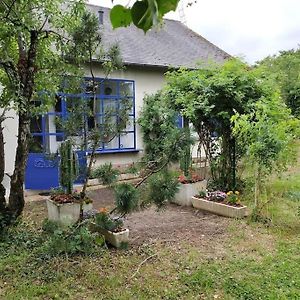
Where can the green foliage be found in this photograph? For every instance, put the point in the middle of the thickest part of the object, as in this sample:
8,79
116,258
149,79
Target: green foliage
268,135
209,97
163,187
73,241
106,173
105,221
143,13
162,139
68,166
126,198
284,71
132,169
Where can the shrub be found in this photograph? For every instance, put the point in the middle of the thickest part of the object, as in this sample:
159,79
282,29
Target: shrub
106,173
163,187
126,198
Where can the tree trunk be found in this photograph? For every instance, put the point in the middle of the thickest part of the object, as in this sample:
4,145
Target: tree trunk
26,72
16,197
2,170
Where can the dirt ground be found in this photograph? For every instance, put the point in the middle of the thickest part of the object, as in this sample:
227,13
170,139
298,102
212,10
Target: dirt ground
172,225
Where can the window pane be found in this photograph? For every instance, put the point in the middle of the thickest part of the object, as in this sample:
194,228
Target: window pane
36,124
109,106
127,104
58,104
130,124
113,144
110,88
36,144
90,86
126,89
127,140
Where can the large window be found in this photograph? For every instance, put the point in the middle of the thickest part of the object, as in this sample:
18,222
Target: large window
110,95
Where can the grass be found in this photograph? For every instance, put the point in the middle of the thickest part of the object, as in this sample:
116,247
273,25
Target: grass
257,261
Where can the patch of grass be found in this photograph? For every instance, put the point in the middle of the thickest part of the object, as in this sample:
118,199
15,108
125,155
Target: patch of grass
273,277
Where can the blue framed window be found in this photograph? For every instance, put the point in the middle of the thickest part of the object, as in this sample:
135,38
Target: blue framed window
109,98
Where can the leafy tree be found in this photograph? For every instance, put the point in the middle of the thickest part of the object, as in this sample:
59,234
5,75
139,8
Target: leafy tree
32,33
284,70
41,44
267,133
143,13
209,98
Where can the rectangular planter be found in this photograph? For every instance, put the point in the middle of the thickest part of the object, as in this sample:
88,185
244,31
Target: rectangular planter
67,214
187,191
219,208
117,239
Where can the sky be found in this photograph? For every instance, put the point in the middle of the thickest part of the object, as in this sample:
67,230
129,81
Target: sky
248,29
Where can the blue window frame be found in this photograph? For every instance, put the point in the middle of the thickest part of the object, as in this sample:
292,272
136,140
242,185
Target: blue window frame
110,93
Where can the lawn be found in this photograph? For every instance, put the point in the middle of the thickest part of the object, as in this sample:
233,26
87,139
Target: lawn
177,253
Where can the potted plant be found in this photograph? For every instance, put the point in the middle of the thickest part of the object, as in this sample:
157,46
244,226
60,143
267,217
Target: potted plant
111,228
110,224
66,205
220,203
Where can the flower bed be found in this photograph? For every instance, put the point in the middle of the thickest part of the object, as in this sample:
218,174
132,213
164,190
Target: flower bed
218,202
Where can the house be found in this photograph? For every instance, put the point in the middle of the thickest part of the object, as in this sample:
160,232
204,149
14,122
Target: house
146,58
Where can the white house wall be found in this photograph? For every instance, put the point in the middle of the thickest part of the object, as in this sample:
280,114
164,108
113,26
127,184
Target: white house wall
10,138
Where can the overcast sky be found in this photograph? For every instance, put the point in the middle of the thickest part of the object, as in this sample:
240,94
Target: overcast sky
251,29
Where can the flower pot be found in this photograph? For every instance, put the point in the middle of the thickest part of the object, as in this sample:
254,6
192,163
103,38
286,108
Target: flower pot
67,213
187,191
117,239
219,208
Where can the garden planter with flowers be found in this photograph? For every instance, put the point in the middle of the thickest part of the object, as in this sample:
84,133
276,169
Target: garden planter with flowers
111,228
220,203
188,188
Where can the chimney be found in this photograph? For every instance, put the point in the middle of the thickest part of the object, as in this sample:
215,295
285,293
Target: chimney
100,16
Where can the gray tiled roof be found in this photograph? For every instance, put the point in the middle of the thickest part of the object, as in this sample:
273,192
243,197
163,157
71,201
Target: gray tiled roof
173,45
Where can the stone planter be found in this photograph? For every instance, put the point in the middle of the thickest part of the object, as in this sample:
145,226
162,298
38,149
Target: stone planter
219,208
87,207
67,213
117,239
187,191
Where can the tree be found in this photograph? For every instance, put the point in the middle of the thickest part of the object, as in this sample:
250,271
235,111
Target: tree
35,41
268,134
143,14
208,98
284,70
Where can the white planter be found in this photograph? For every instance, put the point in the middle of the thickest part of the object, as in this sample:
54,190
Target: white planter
95,181
187,191
87,207
127,176
67,213
219,208
117,239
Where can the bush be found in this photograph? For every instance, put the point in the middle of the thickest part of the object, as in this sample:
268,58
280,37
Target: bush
71,241
126,198
106,173
163,187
